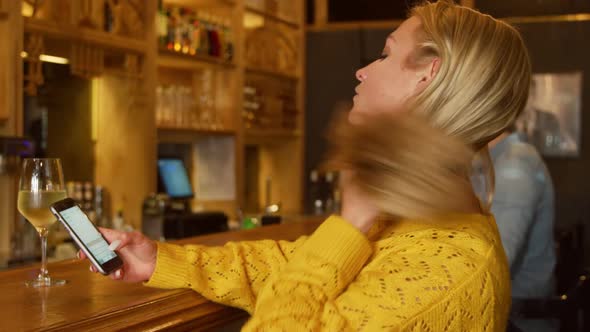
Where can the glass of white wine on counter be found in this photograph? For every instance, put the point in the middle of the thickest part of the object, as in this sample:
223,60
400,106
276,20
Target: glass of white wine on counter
41,184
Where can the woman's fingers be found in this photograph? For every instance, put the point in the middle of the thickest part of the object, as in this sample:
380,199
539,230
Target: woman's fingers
112,235
117,275
116,239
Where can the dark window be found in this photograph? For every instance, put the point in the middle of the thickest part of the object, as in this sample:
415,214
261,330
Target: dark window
369,10
508,8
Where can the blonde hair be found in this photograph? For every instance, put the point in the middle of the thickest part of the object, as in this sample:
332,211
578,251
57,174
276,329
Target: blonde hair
416,165
483,82
406,167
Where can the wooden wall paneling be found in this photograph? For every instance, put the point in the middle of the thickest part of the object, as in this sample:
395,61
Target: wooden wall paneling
126,144
11,25
281,163
268,171
125,147
225,90
5,72
168,76
240,153
289,160
299,181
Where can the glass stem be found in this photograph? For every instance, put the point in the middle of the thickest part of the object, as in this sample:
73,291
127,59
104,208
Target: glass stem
43,274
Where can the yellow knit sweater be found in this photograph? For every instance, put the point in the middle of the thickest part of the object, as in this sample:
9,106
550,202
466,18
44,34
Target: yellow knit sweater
448,274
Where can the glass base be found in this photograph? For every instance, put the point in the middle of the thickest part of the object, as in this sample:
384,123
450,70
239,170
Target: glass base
45,282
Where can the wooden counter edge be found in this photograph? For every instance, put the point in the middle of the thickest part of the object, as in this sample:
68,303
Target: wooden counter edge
180,311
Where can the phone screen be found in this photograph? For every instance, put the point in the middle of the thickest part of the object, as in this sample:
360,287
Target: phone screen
88,234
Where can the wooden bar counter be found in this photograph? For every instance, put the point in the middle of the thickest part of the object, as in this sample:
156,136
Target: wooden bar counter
92,302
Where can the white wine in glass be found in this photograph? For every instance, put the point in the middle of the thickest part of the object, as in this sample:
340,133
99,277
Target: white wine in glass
34,206
41,184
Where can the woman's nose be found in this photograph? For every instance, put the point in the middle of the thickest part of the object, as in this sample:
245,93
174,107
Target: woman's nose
360,75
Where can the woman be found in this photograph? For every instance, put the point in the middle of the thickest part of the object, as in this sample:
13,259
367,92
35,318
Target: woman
467,75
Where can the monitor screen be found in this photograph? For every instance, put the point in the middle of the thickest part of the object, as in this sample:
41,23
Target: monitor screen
174,177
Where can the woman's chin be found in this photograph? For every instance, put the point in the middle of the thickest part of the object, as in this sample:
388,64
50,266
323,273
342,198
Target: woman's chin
355,116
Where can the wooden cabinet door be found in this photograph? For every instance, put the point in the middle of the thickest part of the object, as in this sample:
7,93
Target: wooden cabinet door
11,30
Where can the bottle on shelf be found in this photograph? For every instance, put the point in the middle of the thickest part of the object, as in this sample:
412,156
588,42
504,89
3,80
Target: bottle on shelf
187,31
170,28
205,41
118,220
161,24
250,105
99,207
329,192
315,193
108,17
177,29
88,200
159,106
78,194
196,36
214,42
228,48
325,193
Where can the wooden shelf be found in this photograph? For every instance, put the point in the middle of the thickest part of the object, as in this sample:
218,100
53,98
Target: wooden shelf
177,134
86,35
273,73
269,136
178,60
223,131
201,3
356,25
272,17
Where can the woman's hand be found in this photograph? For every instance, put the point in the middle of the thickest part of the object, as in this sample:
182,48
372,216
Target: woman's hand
136,250
356,207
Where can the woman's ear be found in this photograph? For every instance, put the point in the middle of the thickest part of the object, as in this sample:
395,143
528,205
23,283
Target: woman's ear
427,74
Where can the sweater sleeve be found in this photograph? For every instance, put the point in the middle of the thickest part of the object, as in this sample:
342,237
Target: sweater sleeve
232,274
306,288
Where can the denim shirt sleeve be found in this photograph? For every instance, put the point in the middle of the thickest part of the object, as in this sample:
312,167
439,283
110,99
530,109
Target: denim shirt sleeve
517,191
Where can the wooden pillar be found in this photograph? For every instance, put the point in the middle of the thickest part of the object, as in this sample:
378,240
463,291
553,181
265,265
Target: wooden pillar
10,76
11,100
321,12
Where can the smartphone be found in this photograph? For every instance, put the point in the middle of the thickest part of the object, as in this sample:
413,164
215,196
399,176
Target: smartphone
88,238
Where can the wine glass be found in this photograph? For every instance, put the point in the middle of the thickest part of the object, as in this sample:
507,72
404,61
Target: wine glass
41,184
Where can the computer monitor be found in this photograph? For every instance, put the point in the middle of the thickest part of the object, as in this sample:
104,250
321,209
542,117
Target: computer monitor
174,178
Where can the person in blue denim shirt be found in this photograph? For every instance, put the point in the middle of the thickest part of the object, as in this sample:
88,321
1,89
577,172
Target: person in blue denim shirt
523,206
